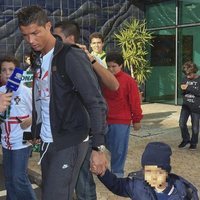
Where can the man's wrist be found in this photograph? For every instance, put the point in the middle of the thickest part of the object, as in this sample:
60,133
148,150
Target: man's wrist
100,148
93,61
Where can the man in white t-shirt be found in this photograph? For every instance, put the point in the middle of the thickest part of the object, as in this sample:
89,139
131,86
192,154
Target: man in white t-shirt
67,102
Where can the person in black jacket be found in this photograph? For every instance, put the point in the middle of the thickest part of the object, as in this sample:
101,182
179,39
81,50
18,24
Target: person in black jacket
69,31
154,182
190,87
67,103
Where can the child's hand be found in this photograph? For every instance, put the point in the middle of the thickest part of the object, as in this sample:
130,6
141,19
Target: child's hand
26,123
137,126
35,141
184,86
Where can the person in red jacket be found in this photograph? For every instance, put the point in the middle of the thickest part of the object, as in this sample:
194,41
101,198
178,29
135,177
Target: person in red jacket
123,107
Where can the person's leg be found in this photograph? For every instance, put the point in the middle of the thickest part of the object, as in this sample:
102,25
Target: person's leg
195,128
184,115
7,170
117,139
85,186
60,170
19,178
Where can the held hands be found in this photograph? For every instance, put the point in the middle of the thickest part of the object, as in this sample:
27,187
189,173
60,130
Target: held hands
5,100
98,162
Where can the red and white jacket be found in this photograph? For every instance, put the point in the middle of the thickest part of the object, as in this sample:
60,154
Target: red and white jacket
21,107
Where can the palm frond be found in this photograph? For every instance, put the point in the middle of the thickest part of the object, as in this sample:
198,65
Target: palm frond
133,38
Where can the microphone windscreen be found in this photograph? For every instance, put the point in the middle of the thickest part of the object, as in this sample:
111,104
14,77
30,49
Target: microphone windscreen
14,80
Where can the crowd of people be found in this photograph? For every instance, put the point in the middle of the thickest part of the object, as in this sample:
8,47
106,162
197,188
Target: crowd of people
82,103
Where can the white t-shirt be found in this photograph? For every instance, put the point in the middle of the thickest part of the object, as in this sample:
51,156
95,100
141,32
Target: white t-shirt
44,93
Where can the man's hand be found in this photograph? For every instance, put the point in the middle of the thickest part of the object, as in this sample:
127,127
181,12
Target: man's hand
137,126
84,48
98,162
184,86
107,78
5,100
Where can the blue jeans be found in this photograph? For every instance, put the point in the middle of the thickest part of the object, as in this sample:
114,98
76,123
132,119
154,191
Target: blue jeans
184,115
117,139
85,186
15,163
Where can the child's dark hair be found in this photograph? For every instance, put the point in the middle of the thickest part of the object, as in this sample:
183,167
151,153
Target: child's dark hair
10,59
189,68
96,35
115,56
32,14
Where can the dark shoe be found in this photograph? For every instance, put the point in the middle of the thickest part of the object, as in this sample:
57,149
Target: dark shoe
193,147
183,144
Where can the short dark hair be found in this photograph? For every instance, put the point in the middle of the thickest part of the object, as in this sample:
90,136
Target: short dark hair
115,56
96,35
8,58
69,28
189,67
32,14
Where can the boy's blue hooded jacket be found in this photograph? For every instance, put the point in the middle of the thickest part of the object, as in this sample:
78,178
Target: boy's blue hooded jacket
135,187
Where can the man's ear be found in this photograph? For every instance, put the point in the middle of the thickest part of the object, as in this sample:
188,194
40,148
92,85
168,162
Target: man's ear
48,26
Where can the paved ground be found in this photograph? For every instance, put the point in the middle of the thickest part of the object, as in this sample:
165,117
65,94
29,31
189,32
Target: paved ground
160,123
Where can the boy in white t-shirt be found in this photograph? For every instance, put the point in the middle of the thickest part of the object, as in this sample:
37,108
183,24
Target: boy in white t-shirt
15,150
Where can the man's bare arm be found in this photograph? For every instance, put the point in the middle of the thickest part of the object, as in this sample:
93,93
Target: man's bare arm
107,78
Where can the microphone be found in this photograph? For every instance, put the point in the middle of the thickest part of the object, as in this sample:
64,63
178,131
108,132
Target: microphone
14,80
12,85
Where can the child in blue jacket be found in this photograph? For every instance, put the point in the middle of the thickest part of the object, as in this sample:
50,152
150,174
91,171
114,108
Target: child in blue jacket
154,182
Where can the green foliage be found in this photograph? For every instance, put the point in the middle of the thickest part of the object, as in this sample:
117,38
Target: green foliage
133,39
